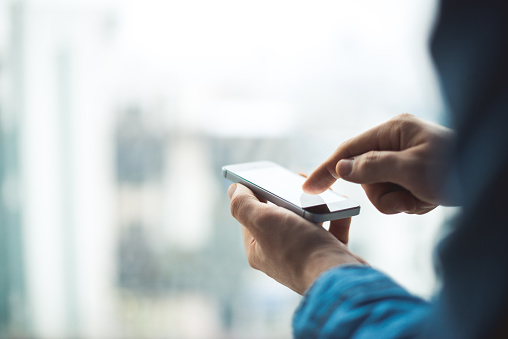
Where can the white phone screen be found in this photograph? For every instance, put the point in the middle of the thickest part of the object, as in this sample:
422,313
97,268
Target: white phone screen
288,186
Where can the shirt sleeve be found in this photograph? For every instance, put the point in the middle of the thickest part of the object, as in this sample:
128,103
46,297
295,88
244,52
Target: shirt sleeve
358,302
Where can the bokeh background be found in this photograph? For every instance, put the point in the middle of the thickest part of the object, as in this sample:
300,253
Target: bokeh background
116,117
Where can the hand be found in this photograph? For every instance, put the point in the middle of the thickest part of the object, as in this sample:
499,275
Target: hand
400,164
285,246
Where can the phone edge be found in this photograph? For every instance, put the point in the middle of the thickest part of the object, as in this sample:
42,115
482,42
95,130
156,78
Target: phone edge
262,193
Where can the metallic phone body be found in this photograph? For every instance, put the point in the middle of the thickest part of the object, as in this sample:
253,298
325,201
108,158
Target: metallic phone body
338,206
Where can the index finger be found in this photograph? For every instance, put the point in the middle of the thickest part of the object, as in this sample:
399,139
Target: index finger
382,137
340,229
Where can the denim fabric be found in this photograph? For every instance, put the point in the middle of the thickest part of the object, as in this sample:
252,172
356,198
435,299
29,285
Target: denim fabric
358,302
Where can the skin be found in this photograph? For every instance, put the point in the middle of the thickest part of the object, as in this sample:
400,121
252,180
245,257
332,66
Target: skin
285,246
392,161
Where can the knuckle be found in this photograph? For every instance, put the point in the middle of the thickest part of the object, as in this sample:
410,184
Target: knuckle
268,216
405,116
381,204
403,122
387,206
345,147
386,210
368,160
402,128
237,205
371,156
251,259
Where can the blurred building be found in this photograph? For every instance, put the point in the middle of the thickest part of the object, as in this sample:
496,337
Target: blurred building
115,121
13,299
151,268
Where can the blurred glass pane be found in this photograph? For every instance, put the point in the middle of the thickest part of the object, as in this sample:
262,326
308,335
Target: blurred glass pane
116,118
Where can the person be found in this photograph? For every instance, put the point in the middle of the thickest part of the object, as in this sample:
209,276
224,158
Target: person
409,165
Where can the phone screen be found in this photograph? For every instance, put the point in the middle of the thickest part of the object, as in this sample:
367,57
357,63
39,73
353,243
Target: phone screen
288,186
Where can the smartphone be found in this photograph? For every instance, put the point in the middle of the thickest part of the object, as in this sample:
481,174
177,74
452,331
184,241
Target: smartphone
284,188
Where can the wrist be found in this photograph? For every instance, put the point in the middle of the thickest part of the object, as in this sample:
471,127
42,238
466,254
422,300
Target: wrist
320,261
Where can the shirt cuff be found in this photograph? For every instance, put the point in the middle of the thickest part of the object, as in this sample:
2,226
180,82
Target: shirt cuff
356,300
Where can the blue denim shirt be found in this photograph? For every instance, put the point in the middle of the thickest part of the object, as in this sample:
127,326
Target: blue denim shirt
354,301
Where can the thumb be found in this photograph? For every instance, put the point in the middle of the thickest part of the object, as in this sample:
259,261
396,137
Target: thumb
245,207
373,167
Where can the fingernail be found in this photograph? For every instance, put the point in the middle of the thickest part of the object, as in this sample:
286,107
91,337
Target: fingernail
345,167
231,190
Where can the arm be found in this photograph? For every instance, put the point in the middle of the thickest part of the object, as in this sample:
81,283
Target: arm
349,298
